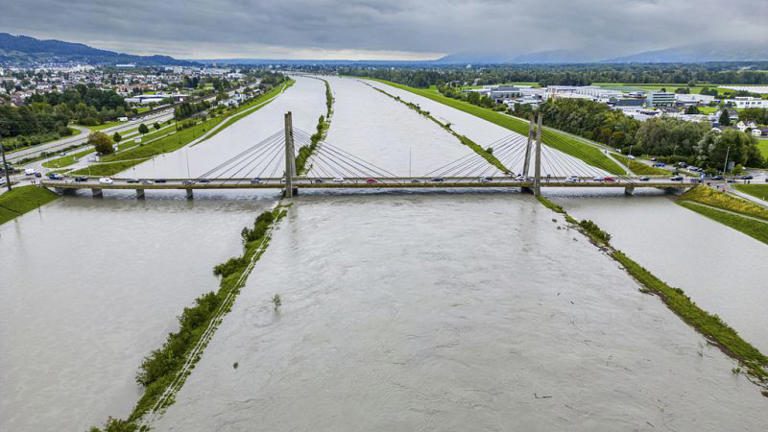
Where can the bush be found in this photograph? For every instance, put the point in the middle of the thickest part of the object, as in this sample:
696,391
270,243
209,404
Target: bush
229,267
594,232
101,142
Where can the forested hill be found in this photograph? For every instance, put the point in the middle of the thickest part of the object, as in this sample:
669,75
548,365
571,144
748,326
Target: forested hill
25,51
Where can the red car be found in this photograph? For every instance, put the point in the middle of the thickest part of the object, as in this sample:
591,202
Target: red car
371,181
609,180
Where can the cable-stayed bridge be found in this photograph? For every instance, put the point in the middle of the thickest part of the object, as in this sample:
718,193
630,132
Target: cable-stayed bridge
515,162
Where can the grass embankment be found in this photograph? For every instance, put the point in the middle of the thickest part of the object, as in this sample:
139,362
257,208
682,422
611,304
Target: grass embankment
640,168
706,195
755,229
762,145
115,163
564,143
756,190
477,148
323,124
163,371
23,199
709,325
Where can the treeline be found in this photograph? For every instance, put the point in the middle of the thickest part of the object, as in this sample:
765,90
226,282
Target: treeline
88,106
669,138
188,109
685,74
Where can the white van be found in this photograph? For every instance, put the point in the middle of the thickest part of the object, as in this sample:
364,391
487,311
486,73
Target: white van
30,171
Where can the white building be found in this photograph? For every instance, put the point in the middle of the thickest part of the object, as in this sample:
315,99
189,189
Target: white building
657,99
748,102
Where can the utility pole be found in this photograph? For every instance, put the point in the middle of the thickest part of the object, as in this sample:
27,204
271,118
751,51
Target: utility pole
527,160
5,168
537,167
290,157
725,167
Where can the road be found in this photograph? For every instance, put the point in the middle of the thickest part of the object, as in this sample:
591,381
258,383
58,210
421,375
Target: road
63,143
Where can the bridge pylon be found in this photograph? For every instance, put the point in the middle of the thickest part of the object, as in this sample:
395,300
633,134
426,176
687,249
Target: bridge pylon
290,157
527,160
537,166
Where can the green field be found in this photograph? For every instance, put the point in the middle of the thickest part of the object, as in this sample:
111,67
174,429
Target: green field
640,168
756,190
23,199
552,138
762,145
670,87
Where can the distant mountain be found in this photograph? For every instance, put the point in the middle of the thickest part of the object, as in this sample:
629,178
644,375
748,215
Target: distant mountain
25,50
698,53
554,56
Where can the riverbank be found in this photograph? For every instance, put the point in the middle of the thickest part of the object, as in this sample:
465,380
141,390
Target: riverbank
739,214
164,371
477,148
568,145
756,190
718,332
23,199
113,164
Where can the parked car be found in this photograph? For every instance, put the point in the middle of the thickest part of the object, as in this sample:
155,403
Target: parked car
631,157
38,175
29,171
338,180
598,179
161,181
717,177
105,180
203,180
572,179
81,179
609,180
438,179
132,180
659,165
746,177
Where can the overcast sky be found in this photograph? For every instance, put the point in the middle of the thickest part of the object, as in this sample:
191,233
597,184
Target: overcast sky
392,29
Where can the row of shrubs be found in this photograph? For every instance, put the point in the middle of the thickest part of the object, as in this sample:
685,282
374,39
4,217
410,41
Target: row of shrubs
159,369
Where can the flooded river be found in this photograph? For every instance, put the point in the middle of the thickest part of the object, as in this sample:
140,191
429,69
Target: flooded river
452,312
720,268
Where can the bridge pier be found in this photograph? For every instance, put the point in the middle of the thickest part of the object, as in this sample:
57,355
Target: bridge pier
97,193
629,190
139,193
190,195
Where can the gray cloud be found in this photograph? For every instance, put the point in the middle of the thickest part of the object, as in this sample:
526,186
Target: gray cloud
384,29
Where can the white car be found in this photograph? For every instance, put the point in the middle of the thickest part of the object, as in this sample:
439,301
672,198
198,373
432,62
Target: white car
572,179
30,171
599,179
338,180
105,180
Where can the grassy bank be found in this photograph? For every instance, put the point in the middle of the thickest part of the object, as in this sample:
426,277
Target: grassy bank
564,143
756,190
323,124
22,199
640,168
708,196
477,148
163,372
115,163
750,227
709,325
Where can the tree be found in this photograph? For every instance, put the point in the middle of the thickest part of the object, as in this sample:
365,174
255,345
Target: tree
117,137
143,129
156,125
693,109
101,142
725,118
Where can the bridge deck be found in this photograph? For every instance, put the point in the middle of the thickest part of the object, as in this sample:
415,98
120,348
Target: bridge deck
356,183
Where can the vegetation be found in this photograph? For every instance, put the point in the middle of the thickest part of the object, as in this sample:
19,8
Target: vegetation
101,142
323,123
640,168
188,109
709,325
757,191
23,199
143,129
755,229
706,195
277,302
162,366
552,138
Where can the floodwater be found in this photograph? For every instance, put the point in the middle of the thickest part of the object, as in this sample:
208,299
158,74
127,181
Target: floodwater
386,133
452,312
91,286
488,134
720,268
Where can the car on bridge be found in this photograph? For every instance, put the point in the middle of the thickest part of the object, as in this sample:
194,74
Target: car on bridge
203,180
132,180
55,176
188,182
106,180
676,178
438,180
599,179
338,180
81,179
256,180
609,179
371,181
572,179
644,179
